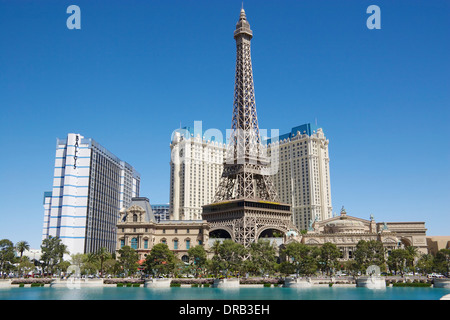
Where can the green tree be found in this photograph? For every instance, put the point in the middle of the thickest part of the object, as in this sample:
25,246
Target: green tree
411,254
369,253
198,258
53,251
263,256
25,266
216,264
425,263
352,267
7,256
397,260
328,257
22,246
302,257
63,266
102,255
128,258
90,264
442,261
77,260
229,256
286,268
161,260
112,266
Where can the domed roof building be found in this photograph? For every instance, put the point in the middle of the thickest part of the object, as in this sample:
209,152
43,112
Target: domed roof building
346,231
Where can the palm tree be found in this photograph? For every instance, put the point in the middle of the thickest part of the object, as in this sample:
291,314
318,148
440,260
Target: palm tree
21,246
102,254
412,254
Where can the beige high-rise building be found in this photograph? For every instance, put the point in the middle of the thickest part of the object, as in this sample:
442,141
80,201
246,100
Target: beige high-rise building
196,166
302,179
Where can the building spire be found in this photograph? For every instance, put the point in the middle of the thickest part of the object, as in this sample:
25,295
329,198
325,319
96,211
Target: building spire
245,134
242,26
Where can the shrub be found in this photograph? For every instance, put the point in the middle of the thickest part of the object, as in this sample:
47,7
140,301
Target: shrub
267,285
31,280
411,284
120,284
123,281
174,284
36,284
260,280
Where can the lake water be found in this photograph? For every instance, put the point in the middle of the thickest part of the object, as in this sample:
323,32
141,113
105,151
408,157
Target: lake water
273,293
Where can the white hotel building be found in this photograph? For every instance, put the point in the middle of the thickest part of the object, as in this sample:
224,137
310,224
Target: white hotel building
302,179
196,166
90,186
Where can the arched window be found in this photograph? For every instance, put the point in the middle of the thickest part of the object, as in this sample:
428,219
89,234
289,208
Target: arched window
135,217
185,258
134,243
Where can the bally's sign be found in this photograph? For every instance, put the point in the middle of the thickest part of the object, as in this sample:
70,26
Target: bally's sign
75,157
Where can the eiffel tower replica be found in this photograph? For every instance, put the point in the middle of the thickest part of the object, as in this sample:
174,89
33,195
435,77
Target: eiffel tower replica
246,202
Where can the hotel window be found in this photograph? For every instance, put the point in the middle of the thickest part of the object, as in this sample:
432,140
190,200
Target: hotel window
146,244
134,243
122,243
188,244
175,244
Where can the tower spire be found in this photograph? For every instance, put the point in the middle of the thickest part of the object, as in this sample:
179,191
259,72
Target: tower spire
245,137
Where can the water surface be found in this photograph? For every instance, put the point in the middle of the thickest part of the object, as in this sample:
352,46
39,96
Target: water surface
180,293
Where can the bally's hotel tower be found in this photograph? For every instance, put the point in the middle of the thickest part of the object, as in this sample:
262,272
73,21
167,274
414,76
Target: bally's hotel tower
90,186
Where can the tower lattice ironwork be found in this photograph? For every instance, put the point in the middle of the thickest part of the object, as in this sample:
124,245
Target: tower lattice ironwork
245,172
246,202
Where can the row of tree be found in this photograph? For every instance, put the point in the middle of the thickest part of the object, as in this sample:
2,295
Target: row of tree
227,258
52,259
262,258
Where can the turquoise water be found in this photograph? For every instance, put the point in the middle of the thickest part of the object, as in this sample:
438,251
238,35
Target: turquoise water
141,293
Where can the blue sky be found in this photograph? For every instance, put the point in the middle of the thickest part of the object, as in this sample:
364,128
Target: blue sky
137,69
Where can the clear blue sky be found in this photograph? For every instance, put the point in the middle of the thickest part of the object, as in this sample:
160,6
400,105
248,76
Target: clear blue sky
136,69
